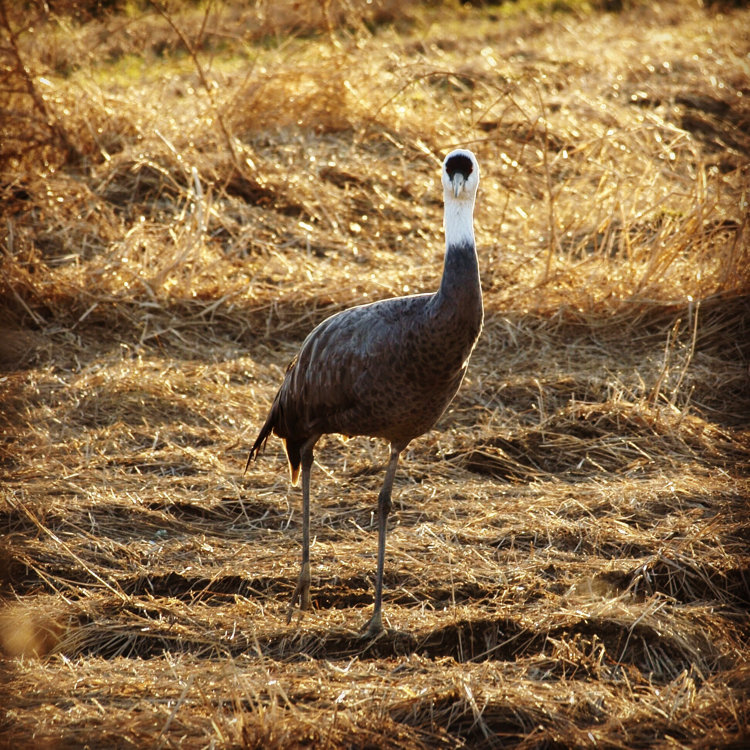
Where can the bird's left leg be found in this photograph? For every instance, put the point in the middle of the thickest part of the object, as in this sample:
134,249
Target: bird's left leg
302,591
375,623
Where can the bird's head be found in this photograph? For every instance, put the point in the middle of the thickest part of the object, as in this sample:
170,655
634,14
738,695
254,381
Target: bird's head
460,175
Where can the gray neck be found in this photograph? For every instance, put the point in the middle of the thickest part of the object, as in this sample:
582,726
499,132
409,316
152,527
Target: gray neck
461,268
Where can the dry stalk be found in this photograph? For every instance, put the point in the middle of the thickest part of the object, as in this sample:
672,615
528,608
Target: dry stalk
207,85
22,70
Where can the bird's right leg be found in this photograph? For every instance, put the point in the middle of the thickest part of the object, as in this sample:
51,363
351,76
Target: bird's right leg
374,625
302,592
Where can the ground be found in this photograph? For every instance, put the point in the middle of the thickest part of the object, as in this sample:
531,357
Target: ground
188,189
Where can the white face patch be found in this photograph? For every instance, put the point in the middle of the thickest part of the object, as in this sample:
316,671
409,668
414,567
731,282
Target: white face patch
460,180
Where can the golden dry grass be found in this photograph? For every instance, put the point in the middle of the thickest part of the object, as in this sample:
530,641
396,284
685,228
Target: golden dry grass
186,191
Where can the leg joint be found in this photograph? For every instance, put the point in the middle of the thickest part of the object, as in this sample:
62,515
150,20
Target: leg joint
384,501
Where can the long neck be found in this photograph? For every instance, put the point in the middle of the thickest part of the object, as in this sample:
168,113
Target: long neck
461,269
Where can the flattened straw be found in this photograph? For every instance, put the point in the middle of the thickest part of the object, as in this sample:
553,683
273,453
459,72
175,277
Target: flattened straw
162,738
27,511
646,612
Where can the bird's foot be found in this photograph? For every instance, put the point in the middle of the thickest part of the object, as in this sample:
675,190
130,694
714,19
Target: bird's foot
301,593
373,627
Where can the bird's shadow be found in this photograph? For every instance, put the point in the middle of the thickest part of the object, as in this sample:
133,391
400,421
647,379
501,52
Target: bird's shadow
338,643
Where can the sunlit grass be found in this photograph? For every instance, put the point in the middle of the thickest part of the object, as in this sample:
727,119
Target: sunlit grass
567,556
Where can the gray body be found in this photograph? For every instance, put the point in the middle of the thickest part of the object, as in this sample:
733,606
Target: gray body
387,369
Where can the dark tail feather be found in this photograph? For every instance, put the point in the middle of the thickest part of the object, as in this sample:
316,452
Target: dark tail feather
262,438
295,459
275,416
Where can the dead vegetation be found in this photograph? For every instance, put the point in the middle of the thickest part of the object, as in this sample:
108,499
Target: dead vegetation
186,191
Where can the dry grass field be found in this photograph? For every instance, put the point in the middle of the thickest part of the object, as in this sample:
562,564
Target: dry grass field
187,189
